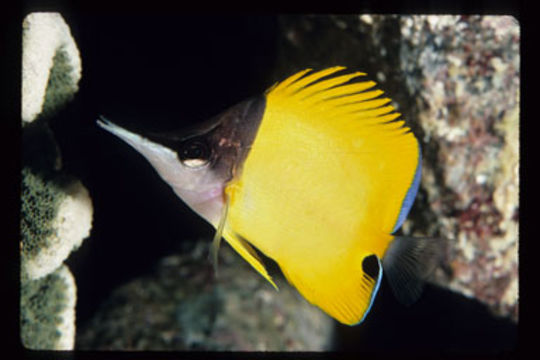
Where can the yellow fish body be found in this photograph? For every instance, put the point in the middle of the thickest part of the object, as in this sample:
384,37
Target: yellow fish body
318,174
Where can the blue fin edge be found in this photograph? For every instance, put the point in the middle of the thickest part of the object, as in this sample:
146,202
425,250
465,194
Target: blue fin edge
411,193
373,294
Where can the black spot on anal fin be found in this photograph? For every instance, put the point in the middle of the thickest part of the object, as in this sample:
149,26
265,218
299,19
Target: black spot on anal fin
370,266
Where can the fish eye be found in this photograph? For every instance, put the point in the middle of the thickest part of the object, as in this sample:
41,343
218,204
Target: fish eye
194,153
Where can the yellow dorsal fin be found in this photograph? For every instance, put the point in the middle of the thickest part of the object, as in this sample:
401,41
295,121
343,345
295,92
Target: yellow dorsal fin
338,92
332,97
308,82
245,250
285,83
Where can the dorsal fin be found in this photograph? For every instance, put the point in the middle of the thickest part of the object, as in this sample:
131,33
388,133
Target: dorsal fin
335,96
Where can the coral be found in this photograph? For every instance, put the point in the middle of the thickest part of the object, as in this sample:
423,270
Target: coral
55,218
62,84
39,207
56,210
48,311
51,66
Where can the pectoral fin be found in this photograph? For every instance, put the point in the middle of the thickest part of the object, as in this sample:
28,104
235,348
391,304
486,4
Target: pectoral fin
245,250
214,248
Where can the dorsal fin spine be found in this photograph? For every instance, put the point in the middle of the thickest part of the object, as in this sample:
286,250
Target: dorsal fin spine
306,82
316,86
334,98
285,83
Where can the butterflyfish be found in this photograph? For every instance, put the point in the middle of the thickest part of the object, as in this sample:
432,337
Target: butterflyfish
317,173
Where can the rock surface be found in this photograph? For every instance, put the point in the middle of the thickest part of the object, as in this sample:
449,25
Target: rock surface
182,306
467,97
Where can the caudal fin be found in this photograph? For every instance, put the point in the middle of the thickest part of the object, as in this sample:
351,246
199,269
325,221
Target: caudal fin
407,264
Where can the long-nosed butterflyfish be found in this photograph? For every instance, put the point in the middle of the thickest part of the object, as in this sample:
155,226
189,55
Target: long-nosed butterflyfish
318,173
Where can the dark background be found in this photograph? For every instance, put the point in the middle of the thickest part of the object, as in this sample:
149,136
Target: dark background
165,72
153,73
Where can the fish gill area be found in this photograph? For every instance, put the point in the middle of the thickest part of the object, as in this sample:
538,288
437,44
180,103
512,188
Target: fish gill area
141,279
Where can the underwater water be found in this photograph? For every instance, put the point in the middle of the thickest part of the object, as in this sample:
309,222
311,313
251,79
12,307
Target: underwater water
166,72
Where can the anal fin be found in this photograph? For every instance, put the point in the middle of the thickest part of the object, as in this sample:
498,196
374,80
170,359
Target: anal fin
244,249
345,290
407,264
